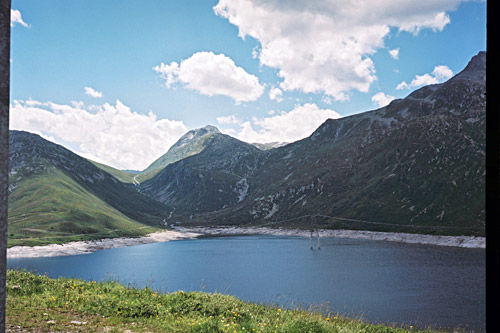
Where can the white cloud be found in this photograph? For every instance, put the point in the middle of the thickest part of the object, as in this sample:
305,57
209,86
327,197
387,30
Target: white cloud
436,22
16,17
111,134
326,99
442,72
275,94
212,74
381,99
439,74
228,120
92,93
394,54
325,46
291,126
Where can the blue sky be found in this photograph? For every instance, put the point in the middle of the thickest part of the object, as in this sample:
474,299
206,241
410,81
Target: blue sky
121,81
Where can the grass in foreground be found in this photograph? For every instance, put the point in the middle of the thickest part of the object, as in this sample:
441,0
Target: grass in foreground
38,303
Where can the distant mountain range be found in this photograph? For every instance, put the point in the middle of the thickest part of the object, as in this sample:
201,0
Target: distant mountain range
416,165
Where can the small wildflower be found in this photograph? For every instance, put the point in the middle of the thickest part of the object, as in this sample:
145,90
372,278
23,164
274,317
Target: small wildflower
327,319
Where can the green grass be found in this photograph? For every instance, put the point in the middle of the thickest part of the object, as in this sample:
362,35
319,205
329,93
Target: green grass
38,303
52,208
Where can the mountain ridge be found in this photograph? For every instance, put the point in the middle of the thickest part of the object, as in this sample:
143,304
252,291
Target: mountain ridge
421,157
415,165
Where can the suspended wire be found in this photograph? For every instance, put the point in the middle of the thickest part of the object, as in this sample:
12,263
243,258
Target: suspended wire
368,222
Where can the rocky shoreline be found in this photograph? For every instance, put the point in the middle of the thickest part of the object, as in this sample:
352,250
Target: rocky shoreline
457,241
85,247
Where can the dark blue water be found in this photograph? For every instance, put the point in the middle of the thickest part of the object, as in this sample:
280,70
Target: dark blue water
378,281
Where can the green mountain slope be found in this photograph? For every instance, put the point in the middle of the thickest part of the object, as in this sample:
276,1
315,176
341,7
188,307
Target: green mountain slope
123,176
53,208
65,193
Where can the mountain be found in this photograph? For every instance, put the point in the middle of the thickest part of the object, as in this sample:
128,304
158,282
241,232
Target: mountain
211,179
191,143
56,195
416,165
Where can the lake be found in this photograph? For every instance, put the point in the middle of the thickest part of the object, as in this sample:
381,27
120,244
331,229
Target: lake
381,282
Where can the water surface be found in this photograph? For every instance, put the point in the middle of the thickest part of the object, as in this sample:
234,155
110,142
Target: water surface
379,281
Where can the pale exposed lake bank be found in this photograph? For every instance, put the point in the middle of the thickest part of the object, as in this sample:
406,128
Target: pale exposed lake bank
84,247
458,241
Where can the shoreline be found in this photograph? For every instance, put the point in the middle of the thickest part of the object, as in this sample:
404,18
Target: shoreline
86,247
423,239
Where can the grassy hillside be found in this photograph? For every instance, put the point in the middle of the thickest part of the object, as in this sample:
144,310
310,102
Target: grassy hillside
37,303
52,208
123,176
58,196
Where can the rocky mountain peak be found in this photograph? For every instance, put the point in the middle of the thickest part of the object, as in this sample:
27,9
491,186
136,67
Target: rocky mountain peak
197,133
211,129
475,69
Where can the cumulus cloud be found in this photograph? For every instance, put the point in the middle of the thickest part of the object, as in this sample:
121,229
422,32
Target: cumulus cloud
442,73
212,74
92,93
380,99
275,94
16,17
281,126
438,75
111,134
325,46
394,54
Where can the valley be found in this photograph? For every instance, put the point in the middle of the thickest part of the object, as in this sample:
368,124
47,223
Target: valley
414,166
